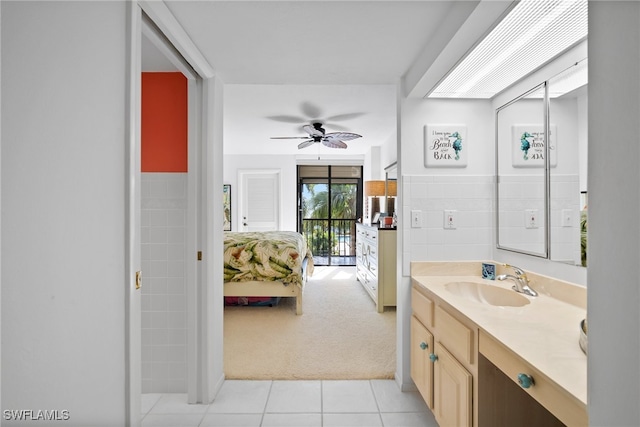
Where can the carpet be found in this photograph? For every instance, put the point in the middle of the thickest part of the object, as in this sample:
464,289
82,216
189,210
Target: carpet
340,335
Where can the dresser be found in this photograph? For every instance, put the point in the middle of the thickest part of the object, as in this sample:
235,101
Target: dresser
376,264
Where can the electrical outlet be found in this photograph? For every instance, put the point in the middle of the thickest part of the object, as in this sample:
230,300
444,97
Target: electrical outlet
450,220
416,219
531,218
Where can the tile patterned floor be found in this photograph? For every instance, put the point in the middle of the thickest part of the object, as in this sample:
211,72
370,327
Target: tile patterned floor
354,403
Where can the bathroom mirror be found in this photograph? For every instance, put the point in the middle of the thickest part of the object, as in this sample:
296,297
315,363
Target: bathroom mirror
521,179
391,188
541,197
568,179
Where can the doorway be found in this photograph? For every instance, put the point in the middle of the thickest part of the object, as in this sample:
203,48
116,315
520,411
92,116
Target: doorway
202,319
328,210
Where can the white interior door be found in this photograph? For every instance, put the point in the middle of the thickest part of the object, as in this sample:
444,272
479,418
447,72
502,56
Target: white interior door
260,200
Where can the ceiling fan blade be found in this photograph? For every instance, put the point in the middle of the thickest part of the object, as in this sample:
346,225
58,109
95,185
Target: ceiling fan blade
287,119
289,137
305,144
310,110
347,116
333,143
343,136
312,131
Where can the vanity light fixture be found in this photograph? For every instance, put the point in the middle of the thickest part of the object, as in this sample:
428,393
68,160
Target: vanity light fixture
532,34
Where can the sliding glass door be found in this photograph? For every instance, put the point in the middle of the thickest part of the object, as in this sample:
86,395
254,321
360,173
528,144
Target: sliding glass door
328,208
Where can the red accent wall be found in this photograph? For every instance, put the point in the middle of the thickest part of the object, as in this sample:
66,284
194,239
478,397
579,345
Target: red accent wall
164,122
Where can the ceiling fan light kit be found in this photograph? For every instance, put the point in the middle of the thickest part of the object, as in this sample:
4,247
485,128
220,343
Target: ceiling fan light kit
317,135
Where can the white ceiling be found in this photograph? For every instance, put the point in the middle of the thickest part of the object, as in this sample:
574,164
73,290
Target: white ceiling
287,64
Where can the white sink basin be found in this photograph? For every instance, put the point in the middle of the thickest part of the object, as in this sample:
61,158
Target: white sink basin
487,294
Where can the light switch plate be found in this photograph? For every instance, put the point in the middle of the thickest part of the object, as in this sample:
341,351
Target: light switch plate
531,218
567,217
450,221
416,219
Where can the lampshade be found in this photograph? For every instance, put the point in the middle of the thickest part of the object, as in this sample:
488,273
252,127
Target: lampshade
374,188
392,188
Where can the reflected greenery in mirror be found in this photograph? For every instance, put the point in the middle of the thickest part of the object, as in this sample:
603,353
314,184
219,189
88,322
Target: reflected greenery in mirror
521,183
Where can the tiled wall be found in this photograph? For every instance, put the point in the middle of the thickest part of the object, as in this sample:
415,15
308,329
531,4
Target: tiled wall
472,197
522,192
519,193
164,322
565,237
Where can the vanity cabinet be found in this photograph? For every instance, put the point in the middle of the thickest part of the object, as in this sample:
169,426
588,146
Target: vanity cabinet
469,358
376,264
443,361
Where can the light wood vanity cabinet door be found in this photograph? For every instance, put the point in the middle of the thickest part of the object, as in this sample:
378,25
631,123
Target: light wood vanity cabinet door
421,365
452,390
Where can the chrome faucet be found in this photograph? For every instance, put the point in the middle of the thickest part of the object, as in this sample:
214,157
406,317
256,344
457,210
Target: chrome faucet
520,279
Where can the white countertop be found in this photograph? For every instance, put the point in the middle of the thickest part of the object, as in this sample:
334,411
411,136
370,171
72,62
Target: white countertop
545,332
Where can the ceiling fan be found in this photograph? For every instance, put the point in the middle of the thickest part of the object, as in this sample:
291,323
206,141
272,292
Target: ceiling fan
317,135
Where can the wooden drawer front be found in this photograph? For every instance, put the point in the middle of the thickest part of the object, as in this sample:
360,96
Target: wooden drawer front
457,337
373,251
422,308
565,407
369,248
372,234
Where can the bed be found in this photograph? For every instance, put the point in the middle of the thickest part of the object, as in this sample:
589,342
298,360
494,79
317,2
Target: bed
266,264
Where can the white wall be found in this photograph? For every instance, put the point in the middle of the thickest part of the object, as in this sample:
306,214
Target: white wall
63,198
468,190
614,208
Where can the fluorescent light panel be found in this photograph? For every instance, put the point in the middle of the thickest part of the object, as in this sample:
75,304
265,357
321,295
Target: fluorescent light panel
567,81
532,34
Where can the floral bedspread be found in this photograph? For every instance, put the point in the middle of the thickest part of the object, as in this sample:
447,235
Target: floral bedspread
266,256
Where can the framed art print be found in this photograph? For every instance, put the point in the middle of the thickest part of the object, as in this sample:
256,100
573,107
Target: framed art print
445,146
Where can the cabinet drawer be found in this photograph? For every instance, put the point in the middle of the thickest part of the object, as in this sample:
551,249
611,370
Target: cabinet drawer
560,403
373,252
456,336
422,308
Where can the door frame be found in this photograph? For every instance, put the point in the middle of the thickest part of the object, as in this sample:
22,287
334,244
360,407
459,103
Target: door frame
204,344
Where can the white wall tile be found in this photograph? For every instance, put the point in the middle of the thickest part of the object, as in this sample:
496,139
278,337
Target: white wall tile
164,201
472,198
